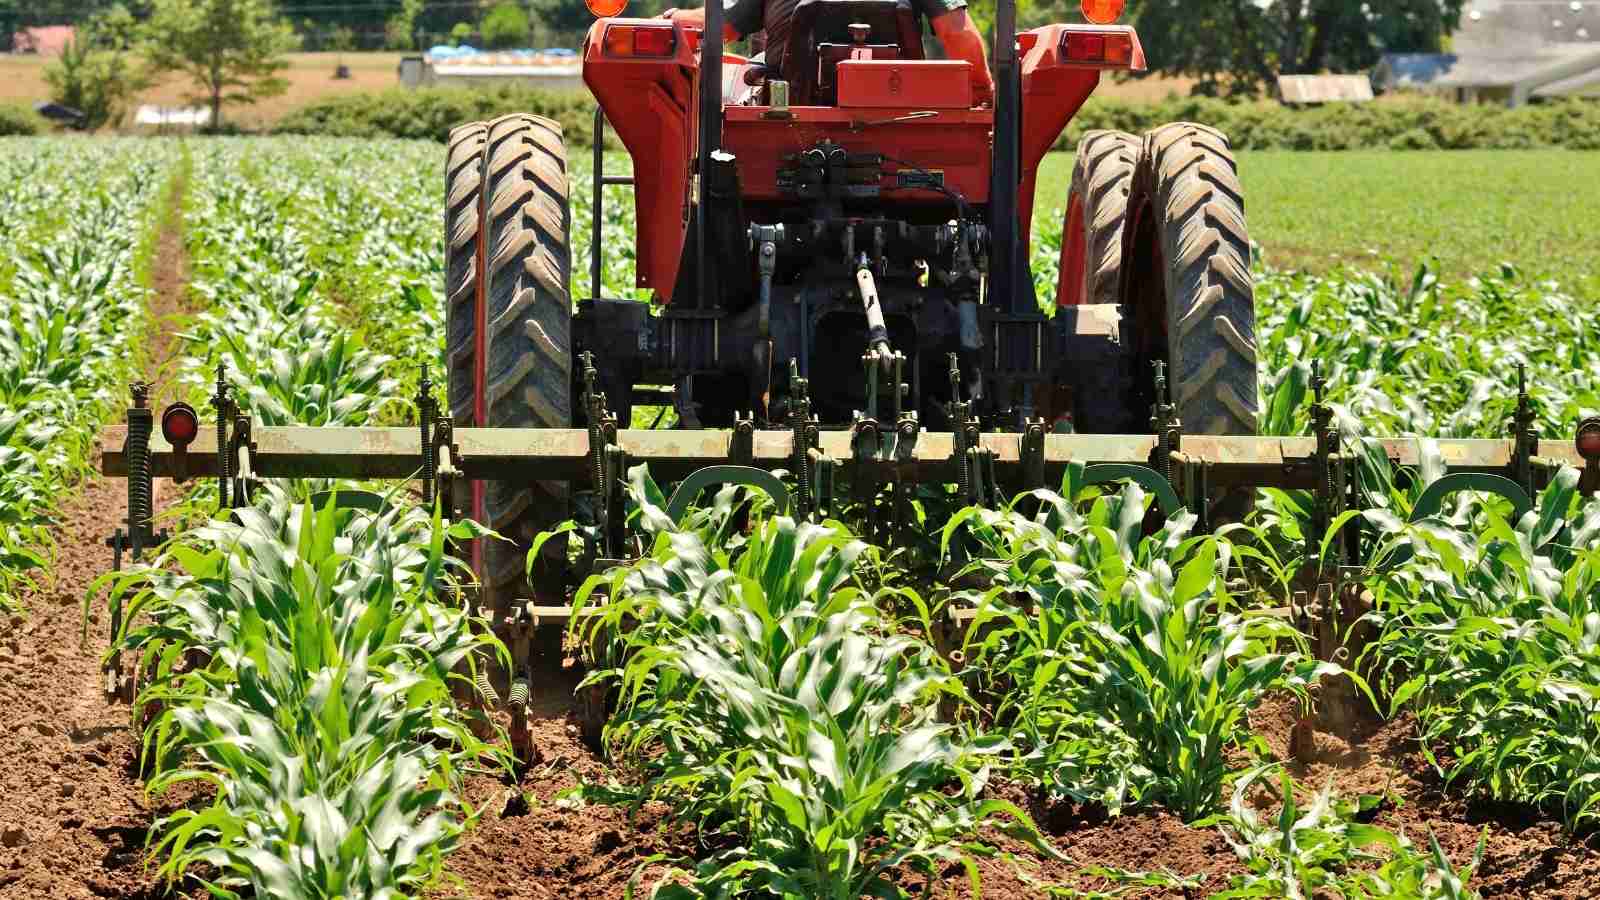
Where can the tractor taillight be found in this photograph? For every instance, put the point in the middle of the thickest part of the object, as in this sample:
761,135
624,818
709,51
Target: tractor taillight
1103,12
1085,47
640,40
1114,48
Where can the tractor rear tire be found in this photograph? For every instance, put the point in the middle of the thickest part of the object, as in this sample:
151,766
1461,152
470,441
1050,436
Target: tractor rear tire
1094,398
1191,245
527,341
462,198
509,327
1097,209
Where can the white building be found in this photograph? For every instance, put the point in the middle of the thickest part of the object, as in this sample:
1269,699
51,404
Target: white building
1511,52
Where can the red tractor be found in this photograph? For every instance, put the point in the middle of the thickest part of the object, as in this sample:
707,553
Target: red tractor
822,241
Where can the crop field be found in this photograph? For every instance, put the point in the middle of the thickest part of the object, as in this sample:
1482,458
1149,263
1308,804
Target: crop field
788,720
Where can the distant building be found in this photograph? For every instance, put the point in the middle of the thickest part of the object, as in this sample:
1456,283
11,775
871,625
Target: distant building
1411,71
48,40
467,67
1510,52
1316,89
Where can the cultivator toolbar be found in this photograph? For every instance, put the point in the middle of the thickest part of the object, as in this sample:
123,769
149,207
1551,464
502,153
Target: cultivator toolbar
885,449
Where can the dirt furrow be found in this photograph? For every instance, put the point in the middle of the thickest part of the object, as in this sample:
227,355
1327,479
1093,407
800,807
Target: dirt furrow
73,814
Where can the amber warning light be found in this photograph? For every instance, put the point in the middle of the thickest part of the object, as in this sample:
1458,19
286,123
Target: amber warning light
1103,12
605,9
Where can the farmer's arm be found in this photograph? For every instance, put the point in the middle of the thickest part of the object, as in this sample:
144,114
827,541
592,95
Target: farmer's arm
739,18
962,40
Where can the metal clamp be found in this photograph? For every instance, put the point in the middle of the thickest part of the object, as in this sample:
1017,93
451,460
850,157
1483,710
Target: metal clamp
1524,435
226,410
1031,451
974,463
810,495
1331,475
427,412
607,460
1164,422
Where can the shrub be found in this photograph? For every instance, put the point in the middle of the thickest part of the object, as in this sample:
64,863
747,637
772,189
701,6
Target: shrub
19,120
460,34
430,113
1403,123
505,26
97,83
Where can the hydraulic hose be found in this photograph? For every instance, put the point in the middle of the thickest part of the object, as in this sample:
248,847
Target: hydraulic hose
877,329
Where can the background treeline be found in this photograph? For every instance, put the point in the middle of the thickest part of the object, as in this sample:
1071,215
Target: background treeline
1412,123
1245,45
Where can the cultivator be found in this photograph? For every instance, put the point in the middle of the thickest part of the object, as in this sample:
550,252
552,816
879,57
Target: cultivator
876,463
837,246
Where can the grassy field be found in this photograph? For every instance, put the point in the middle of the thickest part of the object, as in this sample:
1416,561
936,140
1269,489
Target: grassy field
1469,209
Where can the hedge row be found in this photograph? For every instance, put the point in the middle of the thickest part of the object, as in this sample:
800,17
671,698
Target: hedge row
430,113
1413,123
1404,123
19,120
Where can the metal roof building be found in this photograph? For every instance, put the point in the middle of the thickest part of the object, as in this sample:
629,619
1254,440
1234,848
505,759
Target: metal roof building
1509,51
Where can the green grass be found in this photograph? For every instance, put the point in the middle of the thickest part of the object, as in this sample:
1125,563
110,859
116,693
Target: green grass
1469,209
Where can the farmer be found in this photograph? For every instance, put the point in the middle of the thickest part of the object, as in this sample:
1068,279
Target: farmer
955,29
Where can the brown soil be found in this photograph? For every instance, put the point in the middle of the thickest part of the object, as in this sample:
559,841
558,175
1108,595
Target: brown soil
528,844
74,817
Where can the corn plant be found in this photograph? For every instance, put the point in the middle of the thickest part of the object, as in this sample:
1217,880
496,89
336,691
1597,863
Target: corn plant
765,695
1490,635
1122,666
1322,850
71,313
303,661
1422,357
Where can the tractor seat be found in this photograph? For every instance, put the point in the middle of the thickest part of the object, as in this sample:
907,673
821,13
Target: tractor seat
820,36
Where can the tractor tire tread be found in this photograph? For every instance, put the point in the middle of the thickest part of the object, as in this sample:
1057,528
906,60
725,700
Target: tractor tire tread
528,309
463,182
1199,205
1103,174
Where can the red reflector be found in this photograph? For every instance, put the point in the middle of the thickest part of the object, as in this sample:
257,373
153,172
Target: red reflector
639,40
179,424
1119,49
1080,47
652,42
1589,439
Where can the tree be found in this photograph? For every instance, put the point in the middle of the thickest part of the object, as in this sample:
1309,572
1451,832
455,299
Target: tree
113,28
399,33
96,82
231,49
1240,46
505,26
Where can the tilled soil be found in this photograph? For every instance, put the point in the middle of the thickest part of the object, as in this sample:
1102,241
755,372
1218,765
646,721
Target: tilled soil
73,814
528,844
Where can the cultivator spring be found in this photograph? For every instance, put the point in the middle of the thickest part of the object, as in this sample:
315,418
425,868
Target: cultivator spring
883,455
